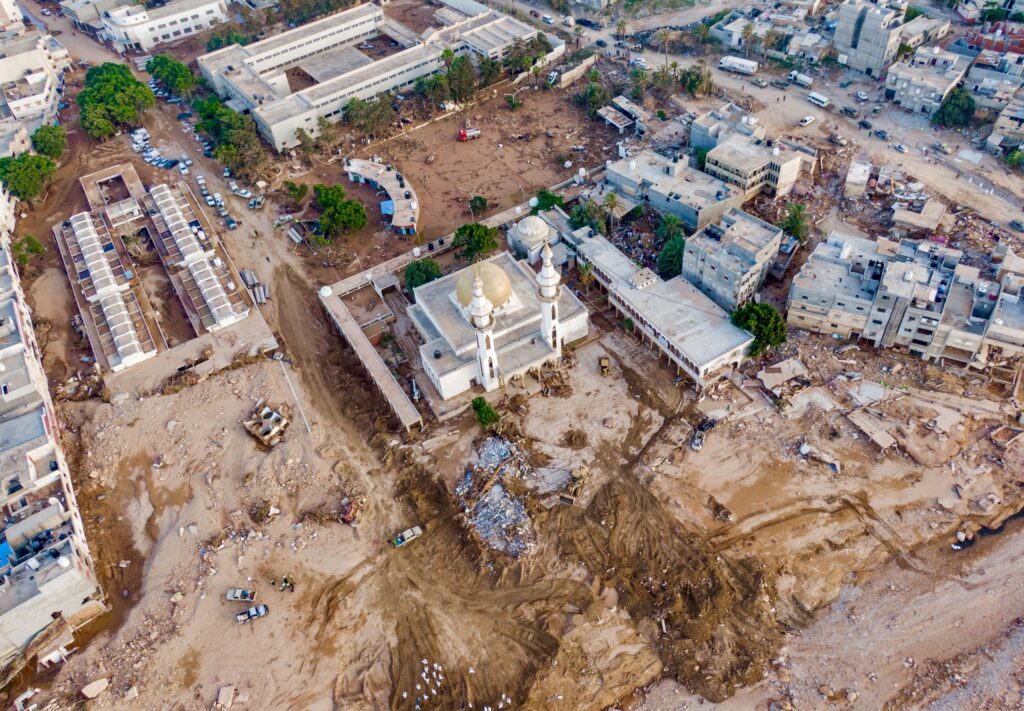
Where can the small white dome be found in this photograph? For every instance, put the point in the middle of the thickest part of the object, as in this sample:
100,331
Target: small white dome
533,229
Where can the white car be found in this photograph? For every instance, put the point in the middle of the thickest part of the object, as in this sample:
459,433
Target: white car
862,96
46,13
183,169
900,148
806,120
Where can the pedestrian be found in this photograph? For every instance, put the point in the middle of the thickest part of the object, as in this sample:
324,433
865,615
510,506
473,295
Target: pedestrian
273,582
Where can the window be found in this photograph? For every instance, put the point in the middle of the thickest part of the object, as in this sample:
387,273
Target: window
5,388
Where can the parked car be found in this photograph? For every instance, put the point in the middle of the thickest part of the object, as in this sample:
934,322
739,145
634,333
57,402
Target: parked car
780,83
806,120
861,96
184,115
1017,225
240,595
231,223
253,613
900,148
942,147
697,441
864,123
759,82
850,111
883,134
183,169
601,43
409,534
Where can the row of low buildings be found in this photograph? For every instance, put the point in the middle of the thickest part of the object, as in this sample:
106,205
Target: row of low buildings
48,584
915,296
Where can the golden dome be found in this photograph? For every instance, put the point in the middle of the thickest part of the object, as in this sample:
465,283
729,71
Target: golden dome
497,287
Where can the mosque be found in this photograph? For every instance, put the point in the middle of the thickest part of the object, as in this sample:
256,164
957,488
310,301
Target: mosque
494,320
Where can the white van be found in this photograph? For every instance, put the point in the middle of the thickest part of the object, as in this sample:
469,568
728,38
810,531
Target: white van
818,99
548,20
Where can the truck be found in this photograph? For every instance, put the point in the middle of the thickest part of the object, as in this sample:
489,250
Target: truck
240,595
801,79
738,65
253,613
469,134
409,534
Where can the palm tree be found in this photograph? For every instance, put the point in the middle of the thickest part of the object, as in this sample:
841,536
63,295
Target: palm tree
577,32
747,35
611,201
768,41
670,227
663,77
586,274
663,37
535,71
447,56
702,33
675,69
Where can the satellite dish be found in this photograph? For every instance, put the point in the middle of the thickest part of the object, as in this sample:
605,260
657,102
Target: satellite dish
534,201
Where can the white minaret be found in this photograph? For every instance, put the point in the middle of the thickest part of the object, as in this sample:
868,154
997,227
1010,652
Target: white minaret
481,313
548,291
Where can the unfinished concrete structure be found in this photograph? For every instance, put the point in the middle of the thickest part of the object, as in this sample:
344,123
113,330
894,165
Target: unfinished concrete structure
715,126
867,36
670,185
672,316
493,321
48,586
254,78
729,261
922,84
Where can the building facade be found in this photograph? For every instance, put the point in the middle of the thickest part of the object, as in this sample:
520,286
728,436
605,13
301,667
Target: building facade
133,28
729,261
867,36
923,84
31,76
753,167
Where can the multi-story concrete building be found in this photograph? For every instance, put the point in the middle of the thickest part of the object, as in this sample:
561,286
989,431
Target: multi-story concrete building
254,78
729,261
915,296
1008,130
14,138
134,28
923,30
867,36
31,74
748,163
47,580
669,185
87,15
672,317
713,127
12,21
922,84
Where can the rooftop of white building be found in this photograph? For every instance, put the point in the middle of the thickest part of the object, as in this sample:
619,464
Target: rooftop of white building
690,187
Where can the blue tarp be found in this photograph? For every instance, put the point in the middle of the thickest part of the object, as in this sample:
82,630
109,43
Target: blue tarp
388,207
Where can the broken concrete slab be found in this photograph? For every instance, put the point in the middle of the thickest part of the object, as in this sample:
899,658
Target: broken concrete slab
874,427
777,375
226,696
95,688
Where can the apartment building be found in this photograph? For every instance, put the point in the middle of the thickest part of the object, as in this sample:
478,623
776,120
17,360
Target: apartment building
751,165
14,138
729,261
134,28
87,15
47,579
923,30
713,127
915,296
670,185
253,78
922,84
31,75
12,21
867,36
1008,130
672,317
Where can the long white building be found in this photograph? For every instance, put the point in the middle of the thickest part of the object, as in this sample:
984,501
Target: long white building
47,580
255,78
133,28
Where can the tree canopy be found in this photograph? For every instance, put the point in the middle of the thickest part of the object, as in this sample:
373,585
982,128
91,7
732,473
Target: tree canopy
475,240
174,75
765,322
486,415
420,272
27,175
112,97
371,117
338,213
956,110
238,144
461,80
296,192
226,39
796,222
547,200
670,259
50,141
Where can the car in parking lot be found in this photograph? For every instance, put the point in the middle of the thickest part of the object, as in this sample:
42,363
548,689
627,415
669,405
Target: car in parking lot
231,223
900,148
806,120
780,83
759,82
864,123
861,96
883,134
601,43
183,169
1017,225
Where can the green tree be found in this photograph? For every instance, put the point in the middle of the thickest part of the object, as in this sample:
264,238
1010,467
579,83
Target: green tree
587,214
371,117
112,97
513,102
50,141
547,200
238,145
477,204
701,156
306,143
174,75
27,175
296,192
475,240
486,415
338,214
461,80
992,12
956,110
585,271
1017,17
594,96
663,38
620,28
420,272
766,324
670,259
26,247
796,222
489,70
610,203
1015,158
749,35
769,41
226,39
669,227
434,88
639,81
696,80
912,13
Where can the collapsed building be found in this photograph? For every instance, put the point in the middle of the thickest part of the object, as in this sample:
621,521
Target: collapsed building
913,296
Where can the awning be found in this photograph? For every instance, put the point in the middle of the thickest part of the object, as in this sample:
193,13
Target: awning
388,207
